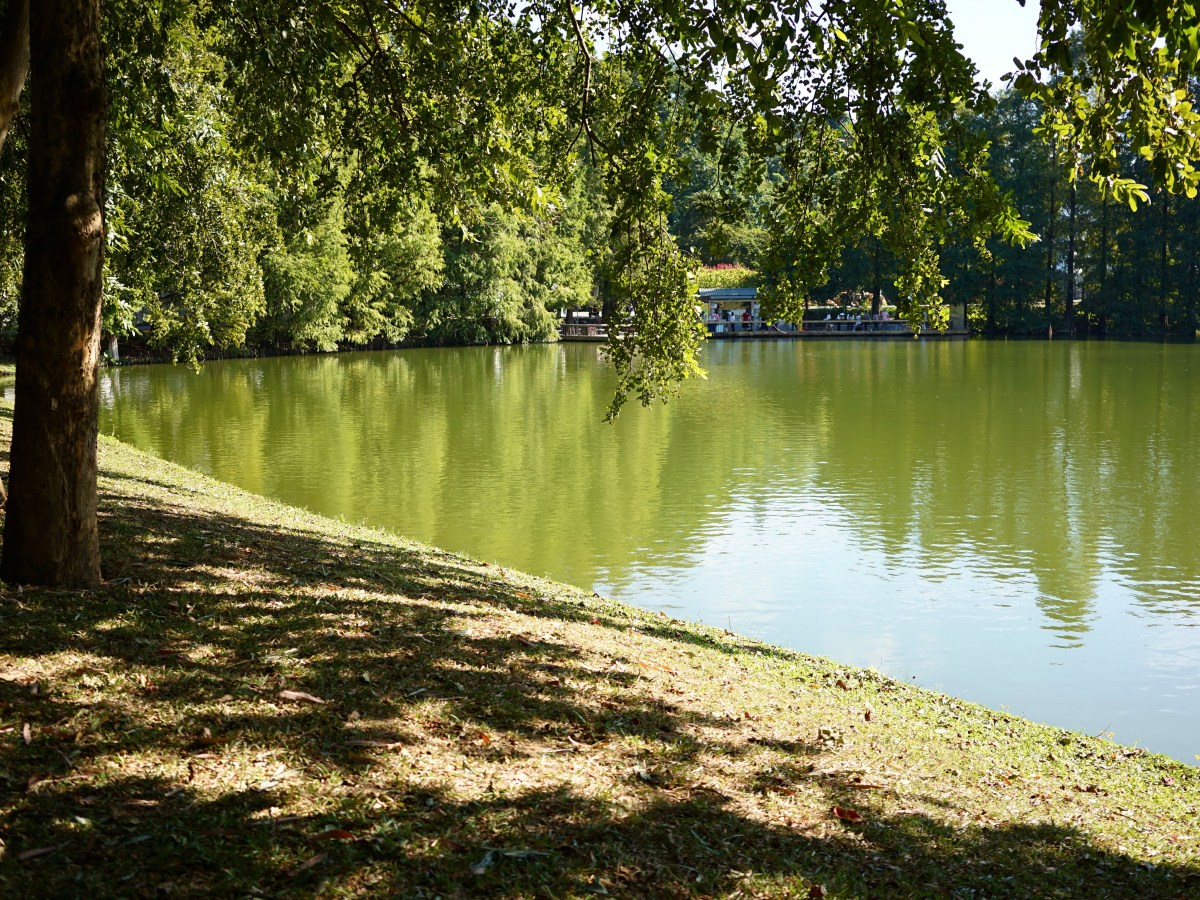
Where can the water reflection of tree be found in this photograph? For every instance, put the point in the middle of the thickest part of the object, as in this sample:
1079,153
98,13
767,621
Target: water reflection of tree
1064,460
476,437
1070,462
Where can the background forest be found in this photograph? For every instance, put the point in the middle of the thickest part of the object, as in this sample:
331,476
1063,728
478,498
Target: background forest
212,247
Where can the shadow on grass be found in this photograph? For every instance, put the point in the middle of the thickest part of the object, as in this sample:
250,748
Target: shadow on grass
212,615
122,839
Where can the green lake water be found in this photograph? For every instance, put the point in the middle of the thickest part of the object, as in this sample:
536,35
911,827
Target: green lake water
1011,522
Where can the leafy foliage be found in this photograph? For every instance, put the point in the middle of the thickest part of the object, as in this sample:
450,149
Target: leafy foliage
307,281
350,174
727,276
396,261
658,335
1120,80
1132,271
186,215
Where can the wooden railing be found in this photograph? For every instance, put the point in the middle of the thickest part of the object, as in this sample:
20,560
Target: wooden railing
867,326
585,330
746,327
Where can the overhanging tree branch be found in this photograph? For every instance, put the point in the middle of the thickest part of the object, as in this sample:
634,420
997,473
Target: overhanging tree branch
585,123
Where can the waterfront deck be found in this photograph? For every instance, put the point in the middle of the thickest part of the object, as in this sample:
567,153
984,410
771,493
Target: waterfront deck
758,330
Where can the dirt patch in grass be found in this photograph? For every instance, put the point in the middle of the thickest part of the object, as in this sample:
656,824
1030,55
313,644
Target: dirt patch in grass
264,702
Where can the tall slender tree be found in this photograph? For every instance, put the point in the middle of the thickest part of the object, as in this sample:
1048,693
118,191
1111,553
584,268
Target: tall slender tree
1048,236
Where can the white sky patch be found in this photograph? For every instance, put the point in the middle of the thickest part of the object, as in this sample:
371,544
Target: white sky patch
992,32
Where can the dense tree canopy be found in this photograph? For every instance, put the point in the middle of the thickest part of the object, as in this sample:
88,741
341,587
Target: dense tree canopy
288,167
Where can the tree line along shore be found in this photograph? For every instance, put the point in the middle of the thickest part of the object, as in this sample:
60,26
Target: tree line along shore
219,242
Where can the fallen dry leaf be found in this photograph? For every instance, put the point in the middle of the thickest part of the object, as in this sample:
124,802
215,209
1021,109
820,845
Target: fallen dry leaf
848,815
658,668
27,734
300,697
333,834
816,892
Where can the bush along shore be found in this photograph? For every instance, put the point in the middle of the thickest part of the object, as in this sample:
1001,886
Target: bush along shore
261,701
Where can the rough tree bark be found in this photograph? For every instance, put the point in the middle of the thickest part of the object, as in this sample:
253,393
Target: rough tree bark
14,62
50,533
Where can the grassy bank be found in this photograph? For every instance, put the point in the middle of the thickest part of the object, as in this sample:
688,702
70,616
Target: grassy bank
260,701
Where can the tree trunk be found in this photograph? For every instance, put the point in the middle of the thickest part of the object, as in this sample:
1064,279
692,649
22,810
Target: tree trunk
14,63
1103,291
1050,221
1163,320
50,534
1071,259
1188,285
963,294
876,291
991,305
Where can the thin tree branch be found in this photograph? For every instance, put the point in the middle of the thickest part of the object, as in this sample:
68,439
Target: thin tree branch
585,124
